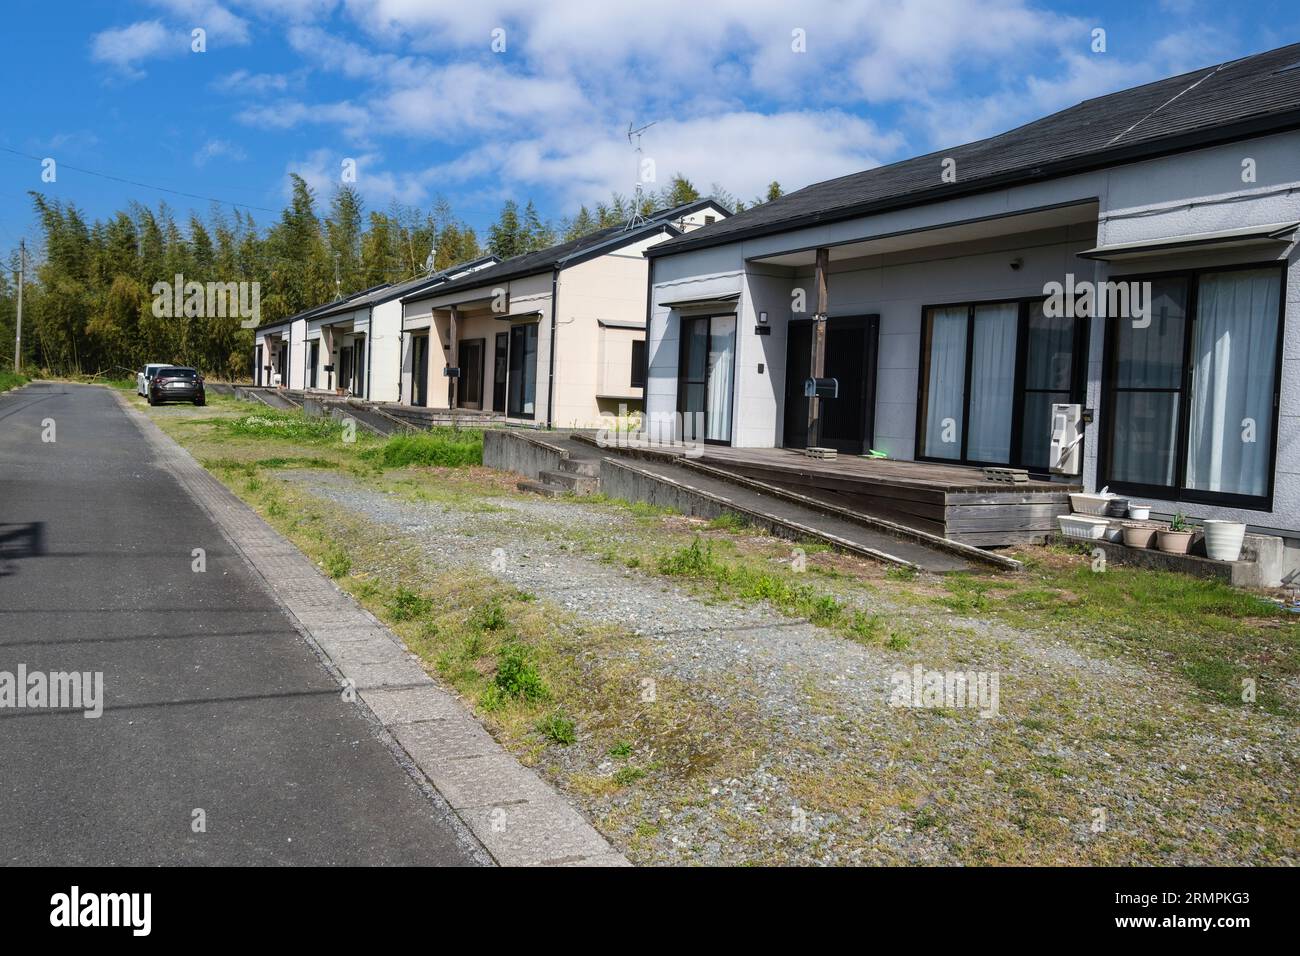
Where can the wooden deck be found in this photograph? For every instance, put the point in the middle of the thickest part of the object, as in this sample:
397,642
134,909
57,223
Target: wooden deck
954,501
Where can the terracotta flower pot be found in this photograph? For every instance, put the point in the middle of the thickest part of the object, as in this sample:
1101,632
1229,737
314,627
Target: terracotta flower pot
1174,542
1139,535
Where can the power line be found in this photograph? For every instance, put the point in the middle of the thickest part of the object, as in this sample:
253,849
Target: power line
142,185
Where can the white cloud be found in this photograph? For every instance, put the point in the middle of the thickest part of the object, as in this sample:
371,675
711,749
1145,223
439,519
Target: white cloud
221,25
216,149
744,151
124,47
254,84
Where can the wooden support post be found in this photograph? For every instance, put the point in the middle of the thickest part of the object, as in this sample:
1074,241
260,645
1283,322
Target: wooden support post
818,363
453,384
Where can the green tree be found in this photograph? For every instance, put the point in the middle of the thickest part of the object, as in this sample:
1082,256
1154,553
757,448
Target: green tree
507,237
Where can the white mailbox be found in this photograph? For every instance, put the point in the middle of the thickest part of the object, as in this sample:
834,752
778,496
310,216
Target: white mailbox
1066,454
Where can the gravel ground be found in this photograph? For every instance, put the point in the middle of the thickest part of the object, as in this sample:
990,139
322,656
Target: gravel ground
817,767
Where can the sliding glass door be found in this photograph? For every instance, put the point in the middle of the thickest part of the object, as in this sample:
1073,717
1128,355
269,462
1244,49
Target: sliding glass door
1049,376
522,385
1191,397
707,377
990,372
1146,390
992,381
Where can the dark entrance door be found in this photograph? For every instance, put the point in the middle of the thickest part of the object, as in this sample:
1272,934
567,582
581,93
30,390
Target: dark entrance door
500,366
420,370
345,367
359,367
257,365
521,396
847,422
470,360
313,360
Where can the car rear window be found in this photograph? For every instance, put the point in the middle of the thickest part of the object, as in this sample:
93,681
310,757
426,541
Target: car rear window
176,373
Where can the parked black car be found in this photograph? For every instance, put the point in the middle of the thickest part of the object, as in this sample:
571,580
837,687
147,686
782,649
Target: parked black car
177,384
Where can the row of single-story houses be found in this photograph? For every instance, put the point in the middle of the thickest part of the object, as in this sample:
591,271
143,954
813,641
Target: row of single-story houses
1133,257
554,337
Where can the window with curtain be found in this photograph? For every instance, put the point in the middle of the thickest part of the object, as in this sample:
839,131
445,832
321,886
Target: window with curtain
1230,409
722,361
1196,419
945,390
1147,389
992,382
1020,362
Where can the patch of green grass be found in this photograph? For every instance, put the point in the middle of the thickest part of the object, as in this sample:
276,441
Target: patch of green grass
729,521
747,582
10,380
407,605
558,729
489,617
516,678
1212,634
440,447
625,775
285,426
621,750
337,563
901,573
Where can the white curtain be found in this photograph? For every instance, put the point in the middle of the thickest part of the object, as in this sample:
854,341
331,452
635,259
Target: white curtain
947,379
1231,431
993,381
722,360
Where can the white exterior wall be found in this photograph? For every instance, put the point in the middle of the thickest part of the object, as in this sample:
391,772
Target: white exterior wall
1176,195
385,351
1203,192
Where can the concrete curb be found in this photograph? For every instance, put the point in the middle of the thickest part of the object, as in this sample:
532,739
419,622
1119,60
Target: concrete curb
518,818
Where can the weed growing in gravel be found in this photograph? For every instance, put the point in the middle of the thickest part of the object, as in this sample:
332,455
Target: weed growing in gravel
621,750
558,729
336,562
516,678
489,617
698,561
407,605
729,521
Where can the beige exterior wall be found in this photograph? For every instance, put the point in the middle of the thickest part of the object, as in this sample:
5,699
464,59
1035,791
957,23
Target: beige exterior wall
593,361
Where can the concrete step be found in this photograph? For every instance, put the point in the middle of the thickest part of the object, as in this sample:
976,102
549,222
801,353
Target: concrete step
541,488
574,483
581,466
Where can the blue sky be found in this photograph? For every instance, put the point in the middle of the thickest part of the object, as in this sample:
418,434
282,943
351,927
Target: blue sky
416,94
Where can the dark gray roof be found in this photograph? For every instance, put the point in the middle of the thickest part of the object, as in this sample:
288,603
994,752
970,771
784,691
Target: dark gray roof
569,253
316,310
396,290
1233,100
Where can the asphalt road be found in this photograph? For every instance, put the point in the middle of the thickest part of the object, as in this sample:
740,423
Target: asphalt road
212,701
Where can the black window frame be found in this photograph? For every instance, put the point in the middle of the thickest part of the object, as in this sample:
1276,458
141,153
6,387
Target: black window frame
532,329
637,378
1179,492
1077,390
683,382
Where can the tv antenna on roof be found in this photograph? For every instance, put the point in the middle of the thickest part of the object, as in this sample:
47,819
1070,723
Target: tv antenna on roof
428,263
636,218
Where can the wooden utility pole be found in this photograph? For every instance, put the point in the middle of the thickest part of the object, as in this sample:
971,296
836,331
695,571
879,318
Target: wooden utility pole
818,369
18,332
453,383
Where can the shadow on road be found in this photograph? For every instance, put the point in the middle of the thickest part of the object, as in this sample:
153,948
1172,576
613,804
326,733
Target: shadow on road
18,541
